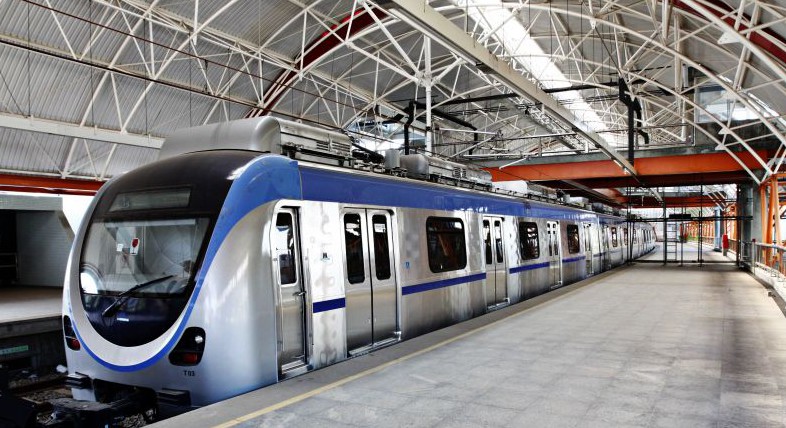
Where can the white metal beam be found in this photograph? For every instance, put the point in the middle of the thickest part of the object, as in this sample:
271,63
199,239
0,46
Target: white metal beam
76,131
434,24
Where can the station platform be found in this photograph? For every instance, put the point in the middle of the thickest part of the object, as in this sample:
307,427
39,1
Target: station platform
645,345
31,331
27,303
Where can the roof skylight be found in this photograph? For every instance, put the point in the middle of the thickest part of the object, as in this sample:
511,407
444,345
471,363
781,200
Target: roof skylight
499,23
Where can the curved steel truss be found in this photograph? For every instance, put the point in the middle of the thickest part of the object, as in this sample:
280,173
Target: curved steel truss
90,89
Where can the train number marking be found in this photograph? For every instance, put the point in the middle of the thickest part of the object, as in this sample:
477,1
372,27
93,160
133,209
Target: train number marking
189,373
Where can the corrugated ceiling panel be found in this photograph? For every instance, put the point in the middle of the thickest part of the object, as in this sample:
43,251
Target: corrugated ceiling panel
89,158
250,20
127,158
336,10
15,88
167,109
60,90
33,152
55,29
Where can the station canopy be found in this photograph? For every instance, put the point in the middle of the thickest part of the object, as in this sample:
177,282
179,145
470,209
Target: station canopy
90,89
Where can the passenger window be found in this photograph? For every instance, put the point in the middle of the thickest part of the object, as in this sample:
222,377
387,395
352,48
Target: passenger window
614,237
446,244
284,241
528,240
625,236
381,247
573,239
353,239
498,241
487,241
587,237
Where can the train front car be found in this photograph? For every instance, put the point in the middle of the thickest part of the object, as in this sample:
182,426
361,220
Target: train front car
144,311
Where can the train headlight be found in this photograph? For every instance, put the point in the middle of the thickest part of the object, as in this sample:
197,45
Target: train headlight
70,335
189,349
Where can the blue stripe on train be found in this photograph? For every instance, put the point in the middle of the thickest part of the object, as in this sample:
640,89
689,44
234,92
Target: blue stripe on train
419,288
574,259
518,269
329,305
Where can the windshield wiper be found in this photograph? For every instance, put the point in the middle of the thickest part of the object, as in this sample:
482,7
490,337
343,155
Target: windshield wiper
123,297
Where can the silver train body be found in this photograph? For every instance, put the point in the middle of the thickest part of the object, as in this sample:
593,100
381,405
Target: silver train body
209,274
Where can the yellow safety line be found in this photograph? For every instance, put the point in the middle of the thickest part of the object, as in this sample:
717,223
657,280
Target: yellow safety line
301,397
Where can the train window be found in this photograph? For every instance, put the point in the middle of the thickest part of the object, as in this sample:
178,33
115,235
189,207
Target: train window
528,240
614,237
487,241
551,230
498,241
381,247
624,236
353,240
119,255
447,248
587,237
284,240
573,239
635,233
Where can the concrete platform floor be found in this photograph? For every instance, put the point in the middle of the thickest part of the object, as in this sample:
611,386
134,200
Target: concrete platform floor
27,303
642,346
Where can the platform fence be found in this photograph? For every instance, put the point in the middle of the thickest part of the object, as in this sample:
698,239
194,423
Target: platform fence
767,257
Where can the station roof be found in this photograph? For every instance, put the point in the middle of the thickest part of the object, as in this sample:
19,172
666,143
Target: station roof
89,90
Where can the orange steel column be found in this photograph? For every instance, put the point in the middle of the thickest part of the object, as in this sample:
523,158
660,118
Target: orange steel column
772,228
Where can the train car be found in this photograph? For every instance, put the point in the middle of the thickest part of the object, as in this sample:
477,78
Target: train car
256,250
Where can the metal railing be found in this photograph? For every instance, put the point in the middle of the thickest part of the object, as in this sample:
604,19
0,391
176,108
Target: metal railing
705,240
734,245
768,257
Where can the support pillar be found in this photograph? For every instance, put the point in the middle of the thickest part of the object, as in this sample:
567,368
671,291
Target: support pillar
749,204
719,228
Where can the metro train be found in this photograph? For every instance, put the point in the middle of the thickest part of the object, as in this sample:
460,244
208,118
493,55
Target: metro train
256,250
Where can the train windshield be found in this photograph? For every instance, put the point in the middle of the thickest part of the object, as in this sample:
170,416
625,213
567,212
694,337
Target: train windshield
161,254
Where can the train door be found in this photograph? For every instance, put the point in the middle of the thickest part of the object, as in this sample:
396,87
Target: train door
588,248
292,309
494,255
554,258
370,281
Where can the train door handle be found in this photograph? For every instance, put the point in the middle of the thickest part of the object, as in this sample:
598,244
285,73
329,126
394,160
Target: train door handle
299,293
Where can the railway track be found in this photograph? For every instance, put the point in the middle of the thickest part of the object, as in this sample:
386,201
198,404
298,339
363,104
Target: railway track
34,386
